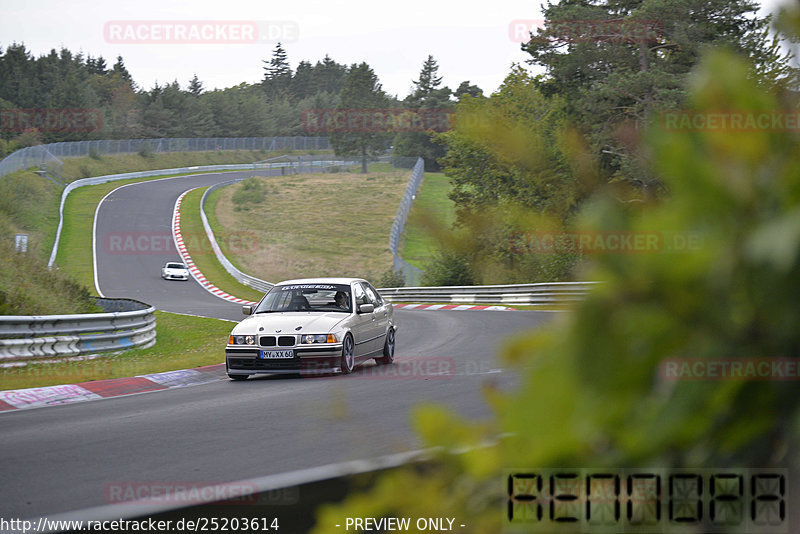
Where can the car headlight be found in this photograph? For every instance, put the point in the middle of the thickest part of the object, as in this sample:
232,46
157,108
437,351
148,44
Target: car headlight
307,339
242,340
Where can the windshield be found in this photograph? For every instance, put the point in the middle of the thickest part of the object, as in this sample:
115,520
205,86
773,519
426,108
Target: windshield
175,266
307,297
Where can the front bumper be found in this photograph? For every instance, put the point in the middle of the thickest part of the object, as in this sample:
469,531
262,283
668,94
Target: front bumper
307,360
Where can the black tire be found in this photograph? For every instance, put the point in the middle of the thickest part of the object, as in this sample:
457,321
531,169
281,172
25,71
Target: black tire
238,377
348,360
388,349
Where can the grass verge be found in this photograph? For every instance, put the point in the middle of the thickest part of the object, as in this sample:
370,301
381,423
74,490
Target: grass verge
202,254
171,352
431,212
327,224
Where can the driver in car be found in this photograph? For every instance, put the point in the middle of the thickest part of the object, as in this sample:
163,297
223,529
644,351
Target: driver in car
342,302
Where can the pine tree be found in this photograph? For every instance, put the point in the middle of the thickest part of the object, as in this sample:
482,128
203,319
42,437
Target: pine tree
465,88
361,92
329,76
302,81
428,81
195,86
617,63
277,73
119,68
427,95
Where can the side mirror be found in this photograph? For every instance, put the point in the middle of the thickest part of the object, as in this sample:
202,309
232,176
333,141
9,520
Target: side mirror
247,310
366,308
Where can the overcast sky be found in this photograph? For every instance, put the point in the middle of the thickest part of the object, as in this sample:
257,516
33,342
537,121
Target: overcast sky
470,39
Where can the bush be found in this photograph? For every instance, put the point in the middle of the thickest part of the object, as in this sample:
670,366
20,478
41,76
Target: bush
28,138
392,278
145,151
6,148
251,191
448,268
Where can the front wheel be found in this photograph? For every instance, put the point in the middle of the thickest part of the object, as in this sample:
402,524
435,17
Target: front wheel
238,377
348,356
388,349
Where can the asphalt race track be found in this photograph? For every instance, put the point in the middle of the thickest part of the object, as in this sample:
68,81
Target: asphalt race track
65,458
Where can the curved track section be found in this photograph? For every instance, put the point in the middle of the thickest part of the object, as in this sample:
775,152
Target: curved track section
133,240
73,457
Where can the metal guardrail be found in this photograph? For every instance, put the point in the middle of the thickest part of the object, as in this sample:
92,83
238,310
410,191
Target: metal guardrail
47,156
25,338
410,273
244,278
543,293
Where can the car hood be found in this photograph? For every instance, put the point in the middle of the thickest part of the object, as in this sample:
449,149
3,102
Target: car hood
174,271
287,323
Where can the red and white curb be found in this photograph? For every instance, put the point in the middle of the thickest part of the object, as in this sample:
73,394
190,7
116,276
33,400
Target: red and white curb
187,259
20,399
451,307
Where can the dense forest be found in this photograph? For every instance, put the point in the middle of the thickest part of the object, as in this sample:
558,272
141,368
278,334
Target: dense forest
274,107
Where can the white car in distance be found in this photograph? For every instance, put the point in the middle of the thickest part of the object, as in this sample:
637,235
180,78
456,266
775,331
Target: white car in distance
173,270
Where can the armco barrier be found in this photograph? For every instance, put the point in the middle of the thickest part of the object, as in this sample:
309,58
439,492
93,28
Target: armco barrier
533,294
410,273
26,338
246,279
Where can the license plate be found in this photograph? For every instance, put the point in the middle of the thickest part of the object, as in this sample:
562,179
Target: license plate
273,354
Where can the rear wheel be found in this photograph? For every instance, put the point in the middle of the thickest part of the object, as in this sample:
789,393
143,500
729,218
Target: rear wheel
348,356
388,349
